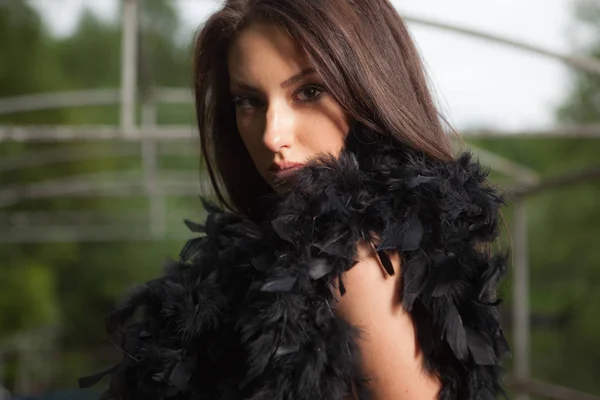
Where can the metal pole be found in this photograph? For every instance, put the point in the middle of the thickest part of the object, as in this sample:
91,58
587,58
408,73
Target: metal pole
129,65
2,361
150,165
521,298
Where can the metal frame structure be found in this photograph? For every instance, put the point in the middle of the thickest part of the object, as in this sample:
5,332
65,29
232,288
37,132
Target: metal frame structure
153,139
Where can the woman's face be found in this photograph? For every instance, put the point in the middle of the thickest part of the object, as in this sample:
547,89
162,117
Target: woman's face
285,116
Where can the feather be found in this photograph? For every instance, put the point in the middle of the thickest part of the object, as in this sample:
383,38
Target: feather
193,226
442,278
262,262
341,285
210,207
282,228
318,268
285,350
386,262
89,381
392,237
415,274
180,376
420,180
247,310
334,200
191,248
455,333
244,244
278,285
413,234
481,351
501,346
491,277
247,229
403,236
333,247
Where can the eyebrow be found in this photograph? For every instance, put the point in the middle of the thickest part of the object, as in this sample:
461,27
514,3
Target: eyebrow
297,77
287,83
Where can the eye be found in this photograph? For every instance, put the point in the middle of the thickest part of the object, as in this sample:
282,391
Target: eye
310,93
246,103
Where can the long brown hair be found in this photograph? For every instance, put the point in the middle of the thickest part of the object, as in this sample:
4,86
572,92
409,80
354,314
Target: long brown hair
365,56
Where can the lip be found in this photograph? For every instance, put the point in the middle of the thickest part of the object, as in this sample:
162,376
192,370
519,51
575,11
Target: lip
278,167
284,169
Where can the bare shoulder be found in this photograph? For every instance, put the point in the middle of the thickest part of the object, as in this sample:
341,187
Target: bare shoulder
368,282
390,351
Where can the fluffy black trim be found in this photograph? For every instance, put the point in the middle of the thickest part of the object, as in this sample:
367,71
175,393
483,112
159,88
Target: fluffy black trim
247,310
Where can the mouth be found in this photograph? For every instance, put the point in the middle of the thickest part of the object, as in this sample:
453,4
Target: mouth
284,169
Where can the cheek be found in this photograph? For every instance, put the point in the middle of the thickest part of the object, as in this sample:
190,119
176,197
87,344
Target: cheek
251,134
328,128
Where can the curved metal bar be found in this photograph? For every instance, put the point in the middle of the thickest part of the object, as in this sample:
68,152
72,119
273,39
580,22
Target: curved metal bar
22,219
117,232
572,178
39,158
53,100
547,390
506,166
87,98
184,133
44,157
52,134
587,64
111,184
182,95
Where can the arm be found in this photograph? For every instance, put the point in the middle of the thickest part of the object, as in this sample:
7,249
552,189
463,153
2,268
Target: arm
391,356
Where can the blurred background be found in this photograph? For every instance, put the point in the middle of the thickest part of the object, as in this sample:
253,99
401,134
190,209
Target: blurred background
99,164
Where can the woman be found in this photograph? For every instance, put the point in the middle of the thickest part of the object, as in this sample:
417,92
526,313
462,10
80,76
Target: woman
351,261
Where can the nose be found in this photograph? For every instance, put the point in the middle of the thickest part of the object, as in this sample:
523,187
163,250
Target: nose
280,126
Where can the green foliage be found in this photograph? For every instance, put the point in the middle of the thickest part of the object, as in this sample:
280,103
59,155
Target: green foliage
91,54
75,284
31,300
28,64
28,298
564,227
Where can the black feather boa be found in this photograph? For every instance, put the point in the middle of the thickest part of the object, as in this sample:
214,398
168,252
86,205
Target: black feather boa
247,312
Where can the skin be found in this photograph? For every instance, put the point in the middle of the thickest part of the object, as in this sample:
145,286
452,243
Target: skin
295,121
277,121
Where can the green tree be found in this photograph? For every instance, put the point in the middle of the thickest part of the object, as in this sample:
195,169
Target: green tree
90,285
564,227
75,284
28,299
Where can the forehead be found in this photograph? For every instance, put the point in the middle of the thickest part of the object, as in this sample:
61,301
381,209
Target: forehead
262,48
